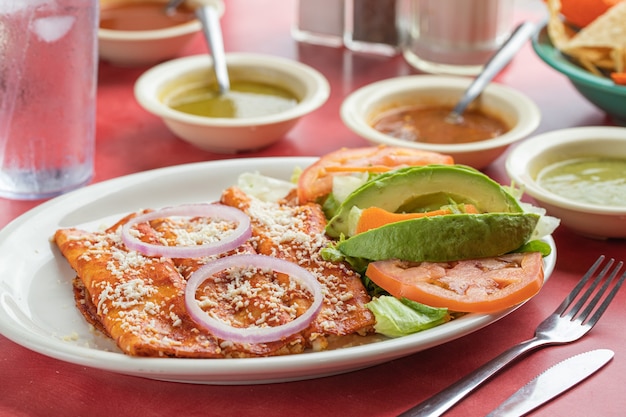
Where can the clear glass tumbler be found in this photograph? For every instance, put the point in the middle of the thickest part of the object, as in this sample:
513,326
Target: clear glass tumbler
454,36
319,22
48,80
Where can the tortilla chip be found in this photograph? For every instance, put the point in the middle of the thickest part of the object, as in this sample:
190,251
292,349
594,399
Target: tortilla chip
589,65
599,47
619,57
559,33
607,31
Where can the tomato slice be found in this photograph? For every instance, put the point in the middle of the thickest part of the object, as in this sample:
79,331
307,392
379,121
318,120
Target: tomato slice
474,286
317,180
582,12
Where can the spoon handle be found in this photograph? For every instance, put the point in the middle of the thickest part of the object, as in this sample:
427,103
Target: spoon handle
499,60
209,17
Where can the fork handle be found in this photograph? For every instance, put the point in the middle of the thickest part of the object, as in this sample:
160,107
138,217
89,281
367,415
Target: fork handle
446,399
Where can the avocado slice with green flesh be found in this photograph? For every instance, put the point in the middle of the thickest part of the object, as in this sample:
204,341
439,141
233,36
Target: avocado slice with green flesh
443,238
425,188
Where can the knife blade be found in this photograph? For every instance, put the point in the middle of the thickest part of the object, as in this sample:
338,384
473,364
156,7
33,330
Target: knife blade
552,382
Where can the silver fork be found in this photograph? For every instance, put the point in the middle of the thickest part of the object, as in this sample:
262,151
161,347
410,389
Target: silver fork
561,327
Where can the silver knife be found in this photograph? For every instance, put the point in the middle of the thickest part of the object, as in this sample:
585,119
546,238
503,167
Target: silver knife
552,382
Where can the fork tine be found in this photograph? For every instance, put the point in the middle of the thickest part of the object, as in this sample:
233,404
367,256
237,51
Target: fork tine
596,282
608,298
601,291
574,293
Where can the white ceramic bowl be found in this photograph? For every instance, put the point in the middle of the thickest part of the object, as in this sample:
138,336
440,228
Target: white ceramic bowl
514,108
528,158
231,135
148,47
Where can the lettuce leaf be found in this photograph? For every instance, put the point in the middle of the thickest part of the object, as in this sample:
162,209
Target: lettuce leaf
400,317
332,254
263,187
536,246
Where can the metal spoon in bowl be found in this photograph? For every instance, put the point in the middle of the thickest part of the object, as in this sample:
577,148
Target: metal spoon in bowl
496,63
210,20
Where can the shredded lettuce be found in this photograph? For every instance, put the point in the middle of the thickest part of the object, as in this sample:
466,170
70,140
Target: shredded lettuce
332,254
400,317
263,187
330,206
344,185
546,224
536,246
295,175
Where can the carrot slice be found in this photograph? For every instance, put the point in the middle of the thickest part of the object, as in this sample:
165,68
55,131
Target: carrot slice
373,217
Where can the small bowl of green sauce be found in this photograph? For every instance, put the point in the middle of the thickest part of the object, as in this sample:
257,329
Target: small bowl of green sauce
577,175
135,33
268,95
244,99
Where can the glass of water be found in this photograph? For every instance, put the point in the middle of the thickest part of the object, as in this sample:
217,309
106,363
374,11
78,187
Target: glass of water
48,78
454,37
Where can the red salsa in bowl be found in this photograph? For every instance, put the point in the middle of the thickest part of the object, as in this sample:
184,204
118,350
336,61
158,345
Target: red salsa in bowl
429,125
143,16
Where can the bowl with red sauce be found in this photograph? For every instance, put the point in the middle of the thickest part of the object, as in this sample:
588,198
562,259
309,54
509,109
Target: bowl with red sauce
140,33
411,111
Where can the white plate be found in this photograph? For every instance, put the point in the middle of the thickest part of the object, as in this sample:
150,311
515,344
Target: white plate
37,306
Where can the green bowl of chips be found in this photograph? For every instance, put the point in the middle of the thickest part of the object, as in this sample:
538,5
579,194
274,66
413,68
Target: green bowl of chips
599,89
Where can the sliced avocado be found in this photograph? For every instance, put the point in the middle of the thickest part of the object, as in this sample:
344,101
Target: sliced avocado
443,238
425,188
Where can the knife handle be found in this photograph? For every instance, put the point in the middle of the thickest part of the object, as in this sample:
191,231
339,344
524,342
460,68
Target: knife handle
444,400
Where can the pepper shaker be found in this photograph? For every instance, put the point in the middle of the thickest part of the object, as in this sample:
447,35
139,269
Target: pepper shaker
370,26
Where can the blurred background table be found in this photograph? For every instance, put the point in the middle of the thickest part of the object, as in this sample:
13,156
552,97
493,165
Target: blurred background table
130,140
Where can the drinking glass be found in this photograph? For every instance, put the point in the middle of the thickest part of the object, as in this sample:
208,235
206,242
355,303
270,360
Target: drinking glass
454,37
48,66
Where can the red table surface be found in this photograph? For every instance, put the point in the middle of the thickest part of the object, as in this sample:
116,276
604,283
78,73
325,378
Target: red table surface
130,140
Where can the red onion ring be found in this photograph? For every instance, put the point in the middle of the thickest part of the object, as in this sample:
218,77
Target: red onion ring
233,240
255,334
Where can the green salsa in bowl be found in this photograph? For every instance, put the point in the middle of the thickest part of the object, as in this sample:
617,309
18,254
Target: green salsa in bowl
577,175
272,94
